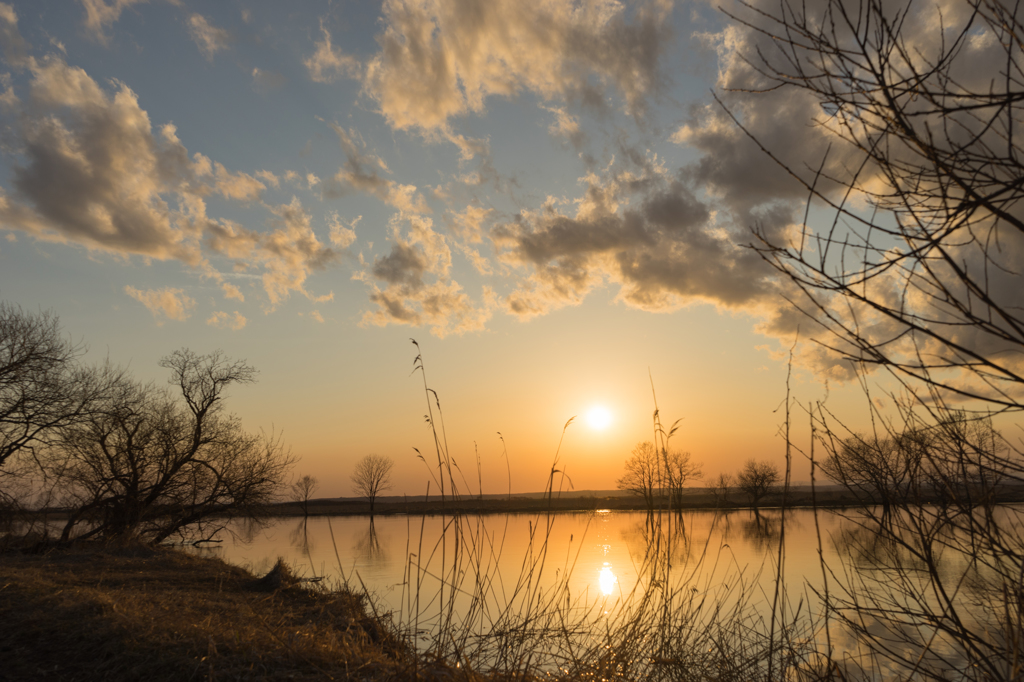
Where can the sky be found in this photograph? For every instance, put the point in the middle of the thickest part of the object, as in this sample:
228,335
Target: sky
544,194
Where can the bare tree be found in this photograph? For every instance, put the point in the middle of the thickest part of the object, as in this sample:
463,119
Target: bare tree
884,468
679,469
641,476
927,279
148,465
42,386
720,488
757,480
916,268
303,489
371,476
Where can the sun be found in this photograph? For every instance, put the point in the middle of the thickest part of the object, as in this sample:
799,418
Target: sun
598,417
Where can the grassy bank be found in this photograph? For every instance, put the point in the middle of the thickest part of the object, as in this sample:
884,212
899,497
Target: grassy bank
142,613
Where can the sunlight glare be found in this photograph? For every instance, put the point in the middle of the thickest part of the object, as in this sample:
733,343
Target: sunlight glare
606,580
599,417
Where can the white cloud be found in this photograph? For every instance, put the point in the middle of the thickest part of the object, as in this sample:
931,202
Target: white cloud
99,16
14,46
167,303
225,320
342,236
440,59
328,64
208,38
92,172
231,291
360,173
412,283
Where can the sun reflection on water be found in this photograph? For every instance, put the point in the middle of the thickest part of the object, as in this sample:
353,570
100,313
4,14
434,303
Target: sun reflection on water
606,579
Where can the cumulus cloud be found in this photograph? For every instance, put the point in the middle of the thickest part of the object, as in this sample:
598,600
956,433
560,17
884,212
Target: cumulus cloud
747,187
412,285
287,254
91,171
225,320
440,59
644,230
166,304
231,291
207,37
328,64
361,172
96,175
99,16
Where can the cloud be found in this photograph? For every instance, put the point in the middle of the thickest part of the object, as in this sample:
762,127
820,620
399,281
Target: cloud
224,320
746,187
99,16
91,171
360,173
566,126
15,47
96,175
341,235
411,284
207,37
329,64
316,316
287,255
165,304
644,230
231,291
442,59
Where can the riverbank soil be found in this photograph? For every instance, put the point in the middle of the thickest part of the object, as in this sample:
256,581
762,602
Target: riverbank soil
143,613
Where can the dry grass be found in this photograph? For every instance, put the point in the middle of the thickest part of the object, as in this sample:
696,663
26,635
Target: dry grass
158,614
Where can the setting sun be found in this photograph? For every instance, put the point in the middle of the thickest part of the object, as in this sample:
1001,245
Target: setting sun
599,417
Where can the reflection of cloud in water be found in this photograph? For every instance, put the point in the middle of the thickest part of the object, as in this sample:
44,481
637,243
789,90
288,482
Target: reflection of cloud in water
606,580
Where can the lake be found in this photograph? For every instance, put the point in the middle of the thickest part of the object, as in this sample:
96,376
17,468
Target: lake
543,588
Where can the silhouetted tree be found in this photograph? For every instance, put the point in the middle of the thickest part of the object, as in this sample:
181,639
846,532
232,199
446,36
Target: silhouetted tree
756,480
372,475
720,488
641,477
149,465
42,385
885,468
678,469
303,489
916,268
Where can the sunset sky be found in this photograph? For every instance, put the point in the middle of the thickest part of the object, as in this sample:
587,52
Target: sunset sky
542,193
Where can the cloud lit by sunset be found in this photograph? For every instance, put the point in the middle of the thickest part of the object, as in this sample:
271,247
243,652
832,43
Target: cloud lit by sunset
541,193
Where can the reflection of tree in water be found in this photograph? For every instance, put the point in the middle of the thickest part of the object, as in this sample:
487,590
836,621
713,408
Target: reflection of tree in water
248,528
761,530
664,533
299,537
369,548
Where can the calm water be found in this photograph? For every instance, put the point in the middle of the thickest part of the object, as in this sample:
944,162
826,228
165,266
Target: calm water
585,574
597,558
